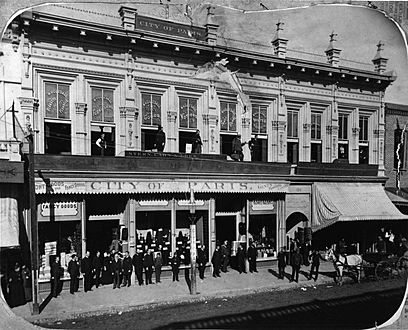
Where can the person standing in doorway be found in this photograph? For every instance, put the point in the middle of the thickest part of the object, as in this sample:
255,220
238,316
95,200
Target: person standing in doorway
101,143
137,261
127,269
117,271
197,143
16,288
216,260
160,139
158,263
73,270
148,266
26,275
254,148
107,270
252,256
225,256
201,261
297,261
97,268
241,259
237,153
175,266
86,268
55,277
281,262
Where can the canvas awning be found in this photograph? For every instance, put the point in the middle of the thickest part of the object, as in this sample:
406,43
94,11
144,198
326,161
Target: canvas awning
333,202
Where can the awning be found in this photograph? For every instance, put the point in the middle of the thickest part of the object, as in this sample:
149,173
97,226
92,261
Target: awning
335,202
9,227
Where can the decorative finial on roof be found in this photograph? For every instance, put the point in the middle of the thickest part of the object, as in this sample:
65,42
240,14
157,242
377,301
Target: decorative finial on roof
278,25
379,61
333,36
279,43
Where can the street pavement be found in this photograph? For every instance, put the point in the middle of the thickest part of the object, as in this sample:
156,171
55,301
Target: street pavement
106,299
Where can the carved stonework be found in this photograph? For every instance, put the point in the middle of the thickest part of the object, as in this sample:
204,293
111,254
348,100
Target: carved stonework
171,116
306,127
210,119
128,112
246,122
29,103
12,33
81,108
332,129
355,130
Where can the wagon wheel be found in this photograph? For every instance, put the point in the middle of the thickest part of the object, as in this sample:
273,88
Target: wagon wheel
403,265
383,270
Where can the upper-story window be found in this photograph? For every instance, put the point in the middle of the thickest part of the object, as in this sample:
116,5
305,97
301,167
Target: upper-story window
259,119
363,133
316,126
102,105
57,126
188,112
228,116
151,109
343,127
56,101
293,120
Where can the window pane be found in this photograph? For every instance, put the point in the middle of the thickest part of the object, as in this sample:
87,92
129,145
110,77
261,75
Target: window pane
262,119
232,117
51,100
290,128
108,105
255,119
97,104
295,124
146,109
192,113
224,116
63,101
156,109
183,112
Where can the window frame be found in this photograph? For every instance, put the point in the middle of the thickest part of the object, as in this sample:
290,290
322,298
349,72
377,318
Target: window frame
259,107
151,94
346,117
317,128
103,89
228,130
292,112
188,98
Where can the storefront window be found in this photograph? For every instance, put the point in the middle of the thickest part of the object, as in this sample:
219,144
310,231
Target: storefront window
154,233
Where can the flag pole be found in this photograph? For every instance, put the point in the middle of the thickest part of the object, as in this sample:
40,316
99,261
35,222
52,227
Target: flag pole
14,120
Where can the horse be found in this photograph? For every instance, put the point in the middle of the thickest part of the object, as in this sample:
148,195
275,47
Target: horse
352,263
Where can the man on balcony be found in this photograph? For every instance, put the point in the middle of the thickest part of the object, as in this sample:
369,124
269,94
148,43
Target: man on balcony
160,139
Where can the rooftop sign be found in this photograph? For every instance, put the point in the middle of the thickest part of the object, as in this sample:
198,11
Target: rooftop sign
170,28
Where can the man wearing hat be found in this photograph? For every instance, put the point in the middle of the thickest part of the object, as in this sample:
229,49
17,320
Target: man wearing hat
237,153
137,261
73,270
160,139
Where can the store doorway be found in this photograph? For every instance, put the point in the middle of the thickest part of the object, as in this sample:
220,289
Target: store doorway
100,234
226,228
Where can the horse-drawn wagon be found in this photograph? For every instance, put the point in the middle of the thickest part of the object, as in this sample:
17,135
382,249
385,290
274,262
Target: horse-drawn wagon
381,265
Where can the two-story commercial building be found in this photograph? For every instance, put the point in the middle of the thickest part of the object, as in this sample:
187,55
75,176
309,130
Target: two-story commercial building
319,129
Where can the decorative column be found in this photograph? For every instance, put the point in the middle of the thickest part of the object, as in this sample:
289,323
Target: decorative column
172,114
132,226
246,136
210,122
304,134
355,130
29,119
81,132
211,27
279,43
281,223
332,52
128,117
83,227
380,135
332,128
281,121
211,228
173,233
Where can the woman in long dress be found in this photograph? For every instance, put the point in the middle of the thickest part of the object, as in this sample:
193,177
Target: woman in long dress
107,277
16,288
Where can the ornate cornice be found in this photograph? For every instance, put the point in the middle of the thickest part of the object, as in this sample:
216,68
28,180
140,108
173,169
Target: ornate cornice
77,70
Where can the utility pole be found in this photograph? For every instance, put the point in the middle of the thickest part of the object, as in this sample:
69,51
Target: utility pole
193,244
34,225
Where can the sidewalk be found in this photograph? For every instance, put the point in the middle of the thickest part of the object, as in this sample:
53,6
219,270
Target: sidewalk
105,299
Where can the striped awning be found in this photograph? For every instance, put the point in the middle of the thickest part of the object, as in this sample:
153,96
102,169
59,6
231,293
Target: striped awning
335,202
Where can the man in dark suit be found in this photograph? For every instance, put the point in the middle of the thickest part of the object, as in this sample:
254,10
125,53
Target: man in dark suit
225,253
175,266
55,277
216,260
73,270
97,268
241,259
117,271
137,261
160,139
127,269
281,262
252,255
297,261
148,266
201,261
86,268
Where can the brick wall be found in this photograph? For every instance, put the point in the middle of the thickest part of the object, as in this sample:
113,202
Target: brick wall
394,113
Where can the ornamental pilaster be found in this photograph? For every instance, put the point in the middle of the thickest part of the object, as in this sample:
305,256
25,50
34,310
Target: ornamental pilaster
128,133
81,129
211,132
29,117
